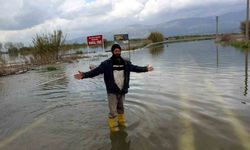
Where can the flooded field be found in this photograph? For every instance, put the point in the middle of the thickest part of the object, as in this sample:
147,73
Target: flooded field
197,98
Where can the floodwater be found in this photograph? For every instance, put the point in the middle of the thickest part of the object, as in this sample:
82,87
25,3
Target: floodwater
197,98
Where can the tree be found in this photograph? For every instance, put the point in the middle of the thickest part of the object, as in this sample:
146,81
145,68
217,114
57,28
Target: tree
13,51
18,45
1,46
243,27
8,45
1,59
156,37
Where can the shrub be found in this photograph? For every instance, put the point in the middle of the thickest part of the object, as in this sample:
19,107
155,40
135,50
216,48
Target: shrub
156,37
79,52
51,68
47,46
226,38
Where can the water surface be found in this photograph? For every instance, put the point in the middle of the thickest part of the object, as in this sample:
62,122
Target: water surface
196,98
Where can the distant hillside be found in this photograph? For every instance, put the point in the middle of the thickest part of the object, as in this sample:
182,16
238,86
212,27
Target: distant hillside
228,23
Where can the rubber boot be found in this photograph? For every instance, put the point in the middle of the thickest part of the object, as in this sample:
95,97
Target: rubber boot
112,122
121,120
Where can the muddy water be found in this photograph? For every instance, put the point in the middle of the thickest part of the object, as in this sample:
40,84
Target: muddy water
196,98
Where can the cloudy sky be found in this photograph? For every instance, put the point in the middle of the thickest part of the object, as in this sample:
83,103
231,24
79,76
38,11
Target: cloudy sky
20,20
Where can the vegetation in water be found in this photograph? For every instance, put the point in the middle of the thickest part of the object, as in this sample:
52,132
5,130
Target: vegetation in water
51,68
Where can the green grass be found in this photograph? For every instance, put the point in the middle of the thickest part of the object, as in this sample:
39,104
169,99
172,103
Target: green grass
239,44
243,45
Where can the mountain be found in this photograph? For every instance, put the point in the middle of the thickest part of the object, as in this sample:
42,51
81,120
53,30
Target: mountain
228,23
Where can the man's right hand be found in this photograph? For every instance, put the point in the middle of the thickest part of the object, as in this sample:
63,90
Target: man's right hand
79,75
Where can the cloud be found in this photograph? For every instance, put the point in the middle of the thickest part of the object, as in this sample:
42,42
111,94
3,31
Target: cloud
156,10
125,8
20,20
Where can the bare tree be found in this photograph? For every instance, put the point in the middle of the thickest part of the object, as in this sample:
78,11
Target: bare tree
1,46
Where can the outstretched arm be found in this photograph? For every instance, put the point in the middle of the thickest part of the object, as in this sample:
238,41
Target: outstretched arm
92,73
135,68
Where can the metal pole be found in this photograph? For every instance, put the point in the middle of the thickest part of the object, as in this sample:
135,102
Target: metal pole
217,51
129,50
217,27
88,55
247,22
103,48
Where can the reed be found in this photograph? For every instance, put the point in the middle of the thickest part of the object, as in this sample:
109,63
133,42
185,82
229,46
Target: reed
47,46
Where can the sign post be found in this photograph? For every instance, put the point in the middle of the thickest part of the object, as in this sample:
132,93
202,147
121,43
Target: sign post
94,41
123,39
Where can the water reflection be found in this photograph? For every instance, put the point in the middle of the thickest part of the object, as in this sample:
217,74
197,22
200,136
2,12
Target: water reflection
53,86
246,73
217,55
119,140
245,51
157,50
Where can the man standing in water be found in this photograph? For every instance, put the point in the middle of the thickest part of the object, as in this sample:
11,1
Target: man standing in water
116,72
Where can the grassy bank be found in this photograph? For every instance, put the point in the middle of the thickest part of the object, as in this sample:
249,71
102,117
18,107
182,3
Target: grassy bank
181,37
234,40
237,44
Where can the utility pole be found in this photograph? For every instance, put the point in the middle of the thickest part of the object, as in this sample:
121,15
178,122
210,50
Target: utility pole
216,38
247,22
217,27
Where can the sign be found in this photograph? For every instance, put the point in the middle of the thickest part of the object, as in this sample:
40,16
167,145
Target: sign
123,40
94,40
121,37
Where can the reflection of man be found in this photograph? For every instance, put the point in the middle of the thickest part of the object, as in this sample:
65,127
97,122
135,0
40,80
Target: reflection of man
119,140
116,72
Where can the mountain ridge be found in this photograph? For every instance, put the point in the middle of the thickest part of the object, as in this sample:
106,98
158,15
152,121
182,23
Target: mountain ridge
228,23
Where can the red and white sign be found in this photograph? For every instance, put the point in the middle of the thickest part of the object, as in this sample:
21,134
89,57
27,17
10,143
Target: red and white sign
94,40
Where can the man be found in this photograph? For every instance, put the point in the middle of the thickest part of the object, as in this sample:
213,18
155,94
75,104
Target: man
116,72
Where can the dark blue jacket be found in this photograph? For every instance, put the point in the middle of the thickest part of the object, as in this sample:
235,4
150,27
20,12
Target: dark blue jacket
106,68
